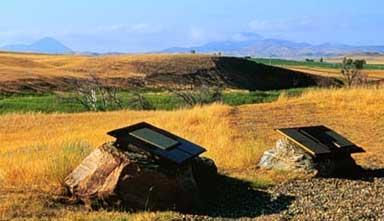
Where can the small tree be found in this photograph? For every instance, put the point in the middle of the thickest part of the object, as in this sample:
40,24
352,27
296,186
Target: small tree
362,77
199,95
139,102
352,71
193,51
93,95
203,88
321,60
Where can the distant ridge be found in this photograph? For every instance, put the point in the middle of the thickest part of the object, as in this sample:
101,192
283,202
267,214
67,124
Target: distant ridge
246,44
254,45
45,45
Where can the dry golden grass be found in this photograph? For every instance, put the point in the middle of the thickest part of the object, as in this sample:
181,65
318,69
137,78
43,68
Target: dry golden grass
331,72
34,205
371,59
42,73
356,113
40,141
16,66
38,150
46,73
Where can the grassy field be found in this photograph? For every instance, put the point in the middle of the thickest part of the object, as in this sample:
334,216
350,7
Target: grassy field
356,113
50,145
14,66
335,64
50,103
38,150
40,73
330,68
43,137
371,59
36,71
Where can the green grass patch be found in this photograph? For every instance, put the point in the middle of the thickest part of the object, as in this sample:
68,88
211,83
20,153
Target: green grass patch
50,103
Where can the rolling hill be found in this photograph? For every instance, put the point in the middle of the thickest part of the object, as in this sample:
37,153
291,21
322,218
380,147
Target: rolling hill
21,72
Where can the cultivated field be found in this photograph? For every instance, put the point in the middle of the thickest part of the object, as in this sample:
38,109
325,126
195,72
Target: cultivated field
330,72
371,59
331,66
38,150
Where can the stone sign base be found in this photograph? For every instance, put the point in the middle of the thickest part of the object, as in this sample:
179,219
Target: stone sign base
287,156
109,177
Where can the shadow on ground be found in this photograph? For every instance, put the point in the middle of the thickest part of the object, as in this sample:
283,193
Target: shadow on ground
365,175
238,199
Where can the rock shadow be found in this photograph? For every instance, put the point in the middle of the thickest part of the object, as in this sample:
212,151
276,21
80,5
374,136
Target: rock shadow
239,199
362,174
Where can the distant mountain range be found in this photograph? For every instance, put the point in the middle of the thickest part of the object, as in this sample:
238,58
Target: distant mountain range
44,45
246,44
257,46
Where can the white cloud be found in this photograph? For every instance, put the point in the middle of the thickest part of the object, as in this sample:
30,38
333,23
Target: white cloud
109,28
239,37
143,28
302,23
245,36
196,34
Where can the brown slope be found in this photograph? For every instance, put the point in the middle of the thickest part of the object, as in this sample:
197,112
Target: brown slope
34,72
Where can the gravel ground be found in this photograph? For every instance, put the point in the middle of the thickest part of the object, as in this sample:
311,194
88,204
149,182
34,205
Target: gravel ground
334,199
358,198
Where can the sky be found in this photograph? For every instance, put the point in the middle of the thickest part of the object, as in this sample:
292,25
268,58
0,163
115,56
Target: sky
153,25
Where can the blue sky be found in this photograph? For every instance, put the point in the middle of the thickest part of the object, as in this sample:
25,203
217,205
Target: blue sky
150,25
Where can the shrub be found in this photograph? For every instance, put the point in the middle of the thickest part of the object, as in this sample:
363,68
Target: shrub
352,71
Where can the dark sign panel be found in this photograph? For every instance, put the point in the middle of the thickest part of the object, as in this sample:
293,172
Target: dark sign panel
154,138
156,141
320,141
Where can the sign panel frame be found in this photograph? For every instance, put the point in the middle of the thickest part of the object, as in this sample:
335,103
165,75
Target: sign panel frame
320,141
179,152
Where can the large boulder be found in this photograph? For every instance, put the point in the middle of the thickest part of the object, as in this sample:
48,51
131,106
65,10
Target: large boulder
288,156
110,177
206,176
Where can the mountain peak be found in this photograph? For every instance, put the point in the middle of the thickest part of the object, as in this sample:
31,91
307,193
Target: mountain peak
47,40
47,45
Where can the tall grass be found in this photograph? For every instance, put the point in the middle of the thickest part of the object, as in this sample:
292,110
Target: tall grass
69,155
38,150
41,149
356,113
41,165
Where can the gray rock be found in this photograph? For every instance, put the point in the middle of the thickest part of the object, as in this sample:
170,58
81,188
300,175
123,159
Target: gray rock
288,156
